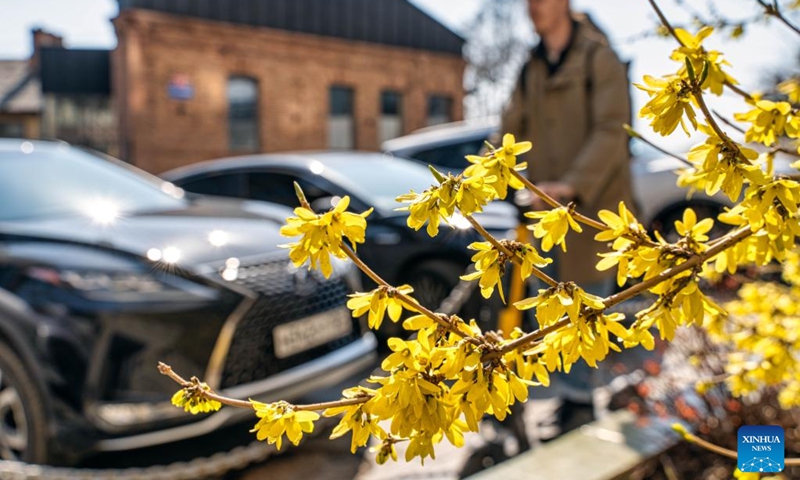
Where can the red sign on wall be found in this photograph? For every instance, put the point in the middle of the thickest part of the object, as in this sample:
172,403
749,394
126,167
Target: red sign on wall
180,87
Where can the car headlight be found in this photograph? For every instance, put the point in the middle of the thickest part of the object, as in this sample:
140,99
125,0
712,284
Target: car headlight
460,222
131,286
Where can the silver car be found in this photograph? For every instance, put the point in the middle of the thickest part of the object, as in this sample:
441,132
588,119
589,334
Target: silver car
659,201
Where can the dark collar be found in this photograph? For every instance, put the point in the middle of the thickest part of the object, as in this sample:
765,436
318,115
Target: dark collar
540,51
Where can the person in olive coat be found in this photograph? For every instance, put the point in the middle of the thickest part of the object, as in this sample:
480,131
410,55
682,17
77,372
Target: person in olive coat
572,100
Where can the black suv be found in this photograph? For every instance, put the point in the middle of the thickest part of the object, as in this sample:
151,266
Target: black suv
106,270
397,253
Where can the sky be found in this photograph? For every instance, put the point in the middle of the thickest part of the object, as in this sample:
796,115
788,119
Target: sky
767,48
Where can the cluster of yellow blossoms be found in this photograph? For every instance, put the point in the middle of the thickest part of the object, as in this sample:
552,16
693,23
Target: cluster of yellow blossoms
440,384
762,336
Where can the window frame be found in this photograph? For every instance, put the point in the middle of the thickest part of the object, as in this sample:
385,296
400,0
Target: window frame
400,102
354,124
429,104
256,119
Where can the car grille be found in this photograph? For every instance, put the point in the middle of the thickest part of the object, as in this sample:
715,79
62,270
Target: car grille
282,299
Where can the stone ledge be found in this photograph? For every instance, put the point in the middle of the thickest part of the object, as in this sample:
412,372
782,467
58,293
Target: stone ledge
606,449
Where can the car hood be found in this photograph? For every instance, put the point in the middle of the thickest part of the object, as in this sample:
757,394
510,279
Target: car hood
206,231
498,216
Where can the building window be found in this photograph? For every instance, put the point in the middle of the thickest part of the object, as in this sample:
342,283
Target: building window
391,124
341,124
11,130
440,110
243,114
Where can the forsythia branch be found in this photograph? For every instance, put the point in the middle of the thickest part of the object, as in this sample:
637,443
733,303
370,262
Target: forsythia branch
774,11
723,244
673,32
411,304
638,136
490,238
167,371
579,217
775,149
691,438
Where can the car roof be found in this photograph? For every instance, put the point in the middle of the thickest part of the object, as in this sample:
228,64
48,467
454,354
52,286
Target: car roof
443,133
296,160
15,144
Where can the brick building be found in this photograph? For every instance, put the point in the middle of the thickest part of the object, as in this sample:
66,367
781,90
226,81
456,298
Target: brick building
21,99
200,79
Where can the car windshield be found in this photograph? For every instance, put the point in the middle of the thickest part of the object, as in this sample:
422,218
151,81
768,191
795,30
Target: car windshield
381,184
64,181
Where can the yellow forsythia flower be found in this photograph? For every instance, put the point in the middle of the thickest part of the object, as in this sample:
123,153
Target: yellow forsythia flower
719,167
489,268
553,226
670,99
378,302
386,451
619,225
688,226
791,88
496,168
507,154
322,234
740,475
193,401
768,121
530,259
280,418
564,299
429,207
692,49
473,194
356,420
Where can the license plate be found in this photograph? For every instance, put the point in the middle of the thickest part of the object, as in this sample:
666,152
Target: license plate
302,335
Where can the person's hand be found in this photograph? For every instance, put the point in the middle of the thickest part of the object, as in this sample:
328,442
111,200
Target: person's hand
528,201
561,192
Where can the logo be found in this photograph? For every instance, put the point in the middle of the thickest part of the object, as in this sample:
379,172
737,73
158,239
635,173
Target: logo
761,449
304,282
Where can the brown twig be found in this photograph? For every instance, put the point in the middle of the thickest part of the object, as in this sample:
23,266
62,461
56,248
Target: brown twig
490,238
724,243
665,22
701,102
739,91
690,437
638,136
555,203
410,303
775,149
344,402
166,370
728,122
668,25
577,216
521,342
773,10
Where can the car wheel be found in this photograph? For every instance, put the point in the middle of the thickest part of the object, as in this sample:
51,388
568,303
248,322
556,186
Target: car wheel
434,280
23,425
665,223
